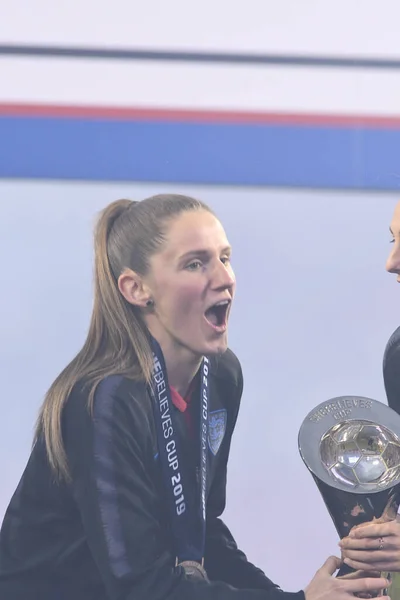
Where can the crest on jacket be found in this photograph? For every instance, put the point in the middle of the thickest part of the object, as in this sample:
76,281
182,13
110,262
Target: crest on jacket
216,429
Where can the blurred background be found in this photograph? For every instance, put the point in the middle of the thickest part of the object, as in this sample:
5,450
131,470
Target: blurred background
284,117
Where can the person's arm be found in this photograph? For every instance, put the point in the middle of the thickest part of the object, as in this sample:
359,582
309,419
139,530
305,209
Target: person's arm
112,484
223,559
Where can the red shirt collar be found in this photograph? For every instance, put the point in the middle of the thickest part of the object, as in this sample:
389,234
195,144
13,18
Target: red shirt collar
182,403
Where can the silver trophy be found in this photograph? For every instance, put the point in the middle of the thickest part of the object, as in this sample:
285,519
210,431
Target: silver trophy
351,446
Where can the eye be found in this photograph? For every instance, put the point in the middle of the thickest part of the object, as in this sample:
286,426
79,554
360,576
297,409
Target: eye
226,260
194,265
392,241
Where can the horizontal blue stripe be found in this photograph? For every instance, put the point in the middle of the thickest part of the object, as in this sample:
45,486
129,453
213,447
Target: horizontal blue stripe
218,153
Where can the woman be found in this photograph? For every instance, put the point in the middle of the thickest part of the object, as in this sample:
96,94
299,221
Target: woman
376,546
123,492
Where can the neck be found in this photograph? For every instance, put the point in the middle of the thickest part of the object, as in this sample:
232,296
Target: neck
181,364
181,375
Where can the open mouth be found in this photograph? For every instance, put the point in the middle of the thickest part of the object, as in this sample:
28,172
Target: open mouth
217,315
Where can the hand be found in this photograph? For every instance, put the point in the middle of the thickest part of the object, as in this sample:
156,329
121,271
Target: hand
373,546
326,587
358,575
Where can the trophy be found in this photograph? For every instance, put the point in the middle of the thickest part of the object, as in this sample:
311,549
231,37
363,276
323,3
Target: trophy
351,446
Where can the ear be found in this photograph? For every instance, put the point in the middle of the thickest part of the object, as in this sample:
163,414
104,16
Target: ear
133,288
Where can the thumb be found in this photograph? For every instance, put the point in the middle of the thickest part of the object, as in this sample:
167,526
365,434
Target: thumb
331,565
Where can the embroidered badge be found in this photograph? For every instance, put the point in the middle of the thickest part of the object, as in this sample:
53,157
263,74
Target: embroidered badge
216,429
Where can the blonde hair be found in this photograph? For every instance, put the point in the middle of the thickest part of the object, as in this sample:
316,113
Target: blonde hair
127,234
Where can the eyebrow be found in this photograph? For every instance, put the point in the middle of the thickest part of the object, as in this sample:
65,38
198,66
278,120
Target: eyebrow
391,230
202,252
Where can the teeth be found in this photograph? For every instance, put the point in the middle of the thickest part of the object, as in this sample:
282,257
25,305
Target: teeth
222,303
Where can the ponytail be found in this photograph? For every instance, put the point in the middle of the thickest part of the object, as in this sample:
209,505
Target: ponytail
116,343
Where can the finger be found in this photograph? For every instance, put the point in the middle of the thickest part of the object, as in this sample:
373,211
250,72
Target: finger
378,566
367,584
373,530
358,574
331,565
364,543
369,556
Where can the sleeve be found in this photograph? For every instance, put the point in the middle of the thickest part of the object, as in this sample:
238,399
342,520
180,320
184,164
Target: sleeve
117,500
391,371
224,561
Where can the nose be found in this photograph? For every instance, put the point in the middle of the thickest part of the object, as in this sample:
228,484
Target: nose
393,260
223,277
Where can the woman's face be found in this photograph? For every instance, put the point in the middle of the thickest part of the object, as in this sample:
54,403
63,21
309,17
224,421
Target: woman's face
393,261
188,277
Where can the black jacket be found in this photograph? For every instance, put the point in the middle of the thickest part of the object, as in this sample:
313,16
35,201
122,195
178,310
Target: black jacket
391,370
105,535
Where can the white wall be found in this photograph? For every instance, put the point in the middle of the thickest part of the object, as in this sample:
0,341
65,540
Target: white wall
314,306
312,28
343,28
313,312
156,84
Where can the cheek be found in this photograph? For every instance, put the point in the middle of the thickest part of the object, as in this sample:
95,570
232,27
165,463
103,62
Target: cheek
183,301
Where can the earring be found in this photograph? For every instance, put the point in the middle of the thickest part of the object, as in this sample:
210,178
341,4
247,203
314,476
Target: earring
149,303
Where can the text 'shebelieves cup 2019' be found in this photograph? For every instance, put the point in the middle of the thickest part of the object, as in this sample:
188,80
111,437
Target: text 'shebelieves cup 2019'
351,446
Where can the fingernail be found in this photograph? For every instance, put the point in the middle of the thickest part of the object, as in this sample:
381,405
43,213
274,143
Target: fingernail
346,561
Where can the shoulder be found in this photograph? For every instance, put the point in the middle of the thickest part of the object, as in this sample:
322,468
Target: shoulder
116,399
227,369
226,372
116,392
117,423
392,349
391,370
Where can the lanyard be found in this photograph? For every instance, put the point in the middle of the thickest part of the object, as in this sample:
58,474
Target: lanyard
187,517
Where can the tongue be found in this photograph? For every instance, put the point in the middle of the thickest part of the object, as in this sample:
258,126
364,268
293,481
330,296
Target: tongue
212,316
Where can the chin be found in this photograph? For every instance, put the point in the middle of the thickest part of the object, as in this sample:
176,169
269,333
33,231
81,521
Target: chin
217,347
207,347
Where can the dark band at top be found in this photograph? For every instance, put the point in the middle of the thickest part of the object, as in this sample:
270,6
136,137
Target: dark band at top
290,60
